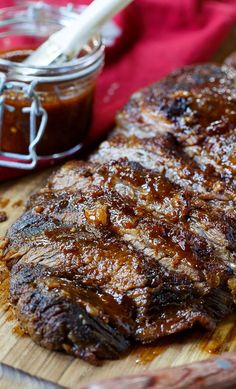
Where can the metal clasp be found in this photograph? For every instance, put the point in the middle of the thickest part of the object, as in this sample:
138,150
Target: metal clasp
36,110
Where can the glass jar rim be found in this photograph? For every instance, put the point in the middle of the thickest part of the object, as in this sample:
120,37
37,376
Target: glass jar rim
86,63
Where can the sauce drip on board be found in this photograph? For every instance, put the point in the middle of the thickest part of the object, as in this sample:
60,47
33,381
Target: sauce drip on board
221,340
3,216
3,202
4,300
213,343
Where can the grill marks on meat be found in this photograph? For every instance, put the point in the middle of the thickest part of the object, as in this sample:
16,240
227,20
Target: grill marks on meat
138,242
78,320
198,106
155,201
163,154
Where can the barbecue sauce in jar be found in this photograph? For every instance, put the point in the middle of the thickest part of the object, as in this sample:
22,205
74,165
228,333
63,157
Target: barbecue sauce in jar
69,108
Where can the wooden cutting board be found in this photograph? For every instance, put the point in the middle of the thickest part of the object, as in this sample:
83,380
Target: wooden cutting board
20,351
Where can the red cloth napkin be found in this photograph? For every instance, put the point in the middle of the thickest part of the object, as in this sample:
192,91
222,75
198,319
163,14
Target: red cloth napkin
157,36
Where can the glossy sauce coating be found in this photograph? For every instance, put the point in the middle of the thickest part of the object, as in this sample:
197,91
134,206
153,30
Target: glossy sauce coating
198,107
143,220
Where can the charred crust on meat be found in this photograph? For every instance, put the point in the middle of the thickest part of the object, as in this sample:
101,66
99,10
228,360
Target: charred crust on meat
138,242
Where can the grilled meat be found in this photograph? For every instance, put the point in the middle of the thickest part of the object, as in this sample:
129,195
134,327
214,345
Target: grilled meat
139,241
197,105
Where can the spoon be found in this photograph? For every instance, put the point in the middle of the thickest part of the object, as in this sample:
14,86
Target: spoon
66,44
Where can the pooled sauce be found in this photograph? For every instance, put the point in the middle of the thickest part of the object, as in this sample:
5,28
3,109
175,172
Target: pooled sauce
4,300
69,107
18,331
146,354
4,286
17,204
4,202
3,216
222,339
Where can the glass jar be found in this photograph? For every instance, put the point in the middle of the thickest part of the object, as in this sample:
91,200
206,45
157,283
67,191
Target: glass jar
45,112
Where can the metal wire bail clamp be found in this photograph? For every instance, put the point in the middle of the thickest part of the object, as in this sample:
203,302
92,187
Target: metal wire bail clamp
28,161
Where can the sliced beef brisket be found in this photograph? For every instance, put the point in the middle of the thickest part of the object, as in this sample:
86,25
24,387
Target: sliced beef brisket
138,242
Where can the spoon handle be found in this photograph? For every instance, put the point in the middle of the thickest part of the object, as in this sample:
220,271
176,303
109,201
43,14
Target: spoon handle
90,21
67,43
